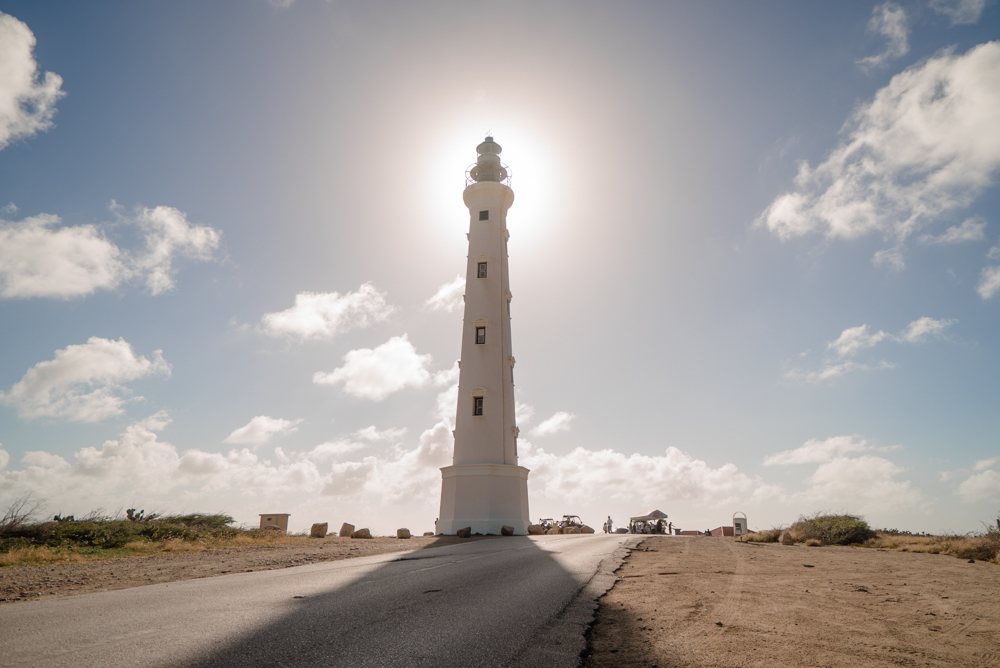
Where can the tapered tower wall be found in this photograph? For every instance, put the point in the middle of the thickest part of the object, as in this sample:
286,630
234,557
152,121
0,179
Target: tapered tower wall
485,488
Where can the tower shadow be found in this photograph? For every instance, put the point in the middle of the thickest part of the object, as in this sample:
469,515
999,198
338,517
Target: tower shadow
444,604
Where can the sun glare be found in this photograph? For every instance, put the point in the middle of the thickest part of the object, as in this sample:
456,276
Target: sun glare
453,151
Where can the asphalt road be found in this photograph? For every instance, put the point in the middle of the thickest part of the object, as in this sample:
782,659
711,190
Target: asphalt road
509,601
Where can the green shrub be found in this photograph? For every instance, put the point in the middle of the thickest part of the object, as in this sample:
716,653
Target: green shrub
832,529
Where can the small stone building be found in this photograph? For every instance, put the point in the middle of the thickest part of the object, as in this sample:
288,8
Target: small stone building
275,521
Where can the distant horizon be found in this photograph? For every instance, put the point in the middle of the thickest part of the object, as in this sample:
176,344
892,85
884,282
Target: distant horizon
754,257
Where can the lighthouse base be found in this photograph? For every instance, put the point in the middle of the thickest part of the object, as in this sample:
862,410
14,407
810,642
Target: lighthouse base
483,497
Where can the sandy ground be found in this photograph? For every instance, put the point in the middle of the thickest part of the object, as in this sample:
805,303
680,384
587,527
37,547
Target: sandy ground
715,602
19,583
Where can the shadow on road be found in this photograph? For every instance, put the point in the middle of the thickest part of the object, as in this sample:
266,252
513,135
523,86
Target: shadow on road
451,603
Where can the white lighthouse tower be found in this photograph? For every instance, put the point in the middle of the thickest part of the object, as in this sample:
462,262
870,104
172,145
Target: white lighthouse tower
484,488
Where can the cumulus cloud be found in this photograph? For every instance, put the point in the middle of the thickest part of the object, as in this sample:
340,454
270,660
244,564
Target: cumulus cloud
982,483
373,434
261,429
816,451
889,21
849,475
640,479
959,12
854,340
41,258
560,421
27,102
989,282
400,484
83,382
324,315
169,235
4,459
376,373
449,297
926,145
968,231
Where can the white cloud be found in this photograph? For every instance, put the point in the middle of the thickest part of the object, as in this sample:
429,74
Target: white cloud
925,145
848,476
959,12
816,451
994,253
83,382
924,328
833,370
980,486
889,21
854,339
372,434
989,282
642,480
27,103
169,235
523,413
261,429
890,259
861,484
324,315
560,421
449,297
376,373
984,464
4,459
969,230
38,258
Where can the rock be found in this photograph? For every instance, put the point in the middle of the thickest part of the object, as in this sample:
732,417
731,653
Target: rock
506,530
361,533
402,533
428,533
535,529
554,531
464,532
586,529
786,538
346,530
319,530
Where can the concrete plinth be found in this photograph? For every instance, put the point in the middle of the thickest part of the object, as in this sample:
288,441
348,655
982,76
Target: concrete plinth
484,497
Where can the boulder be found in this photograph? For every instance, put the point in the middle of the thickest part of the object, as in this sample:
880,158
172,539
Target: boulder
346,530
428,533
402,533
554,531
786,538
535,529
506,530
361,533
319,530
464,532
586,529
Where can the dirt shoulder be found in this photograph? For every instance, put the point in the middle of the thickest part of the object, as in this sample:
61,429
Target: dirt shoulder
715,602
21,583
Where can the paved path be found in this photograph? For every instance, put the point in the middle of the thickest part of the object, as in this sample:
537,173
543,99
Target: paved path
509,601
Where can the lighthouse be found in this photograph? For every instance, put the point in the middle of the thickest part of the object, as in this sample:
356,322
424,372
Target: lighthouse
484,488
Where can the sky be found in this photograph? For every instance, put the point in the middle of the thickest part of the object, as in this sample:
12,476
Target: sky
754,253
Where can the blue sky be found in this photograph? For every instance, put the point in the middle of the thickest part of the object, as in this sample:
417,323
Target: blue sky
754,255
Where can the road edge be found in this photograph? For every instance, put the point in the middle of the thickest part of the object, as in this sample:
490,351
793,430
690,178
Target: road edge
563,640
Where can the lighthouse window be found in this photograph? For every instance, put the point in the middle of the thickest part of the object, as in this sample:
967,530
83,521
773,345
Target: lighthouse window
481,270
477,405
484,215
480,335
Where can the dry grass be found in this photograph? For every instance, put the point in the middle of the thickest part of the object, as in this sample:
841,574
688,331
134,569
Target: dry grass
40,554
984,547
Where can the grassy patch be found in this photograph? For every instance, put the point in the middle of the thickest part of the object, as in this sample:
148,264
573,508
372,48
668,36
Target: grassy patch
96,537
765,536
